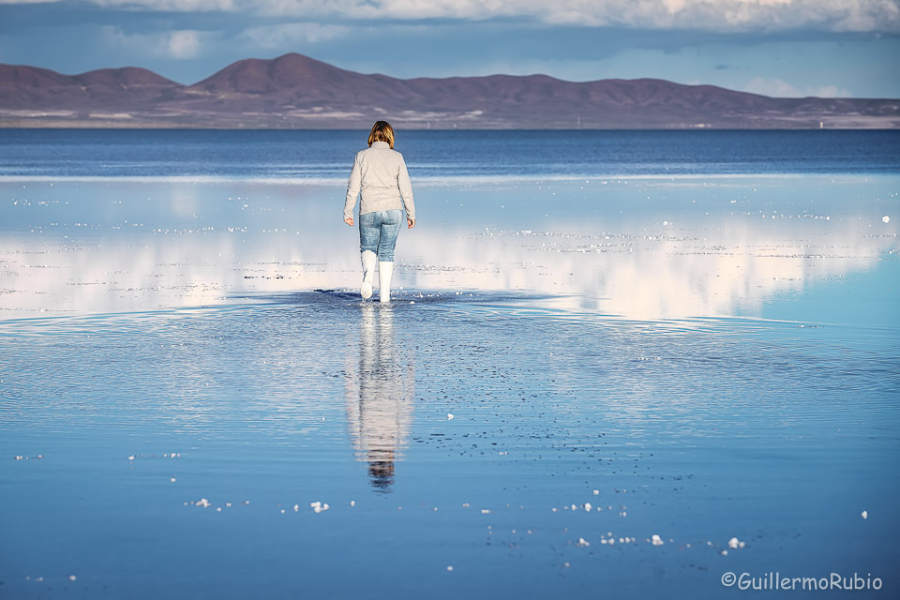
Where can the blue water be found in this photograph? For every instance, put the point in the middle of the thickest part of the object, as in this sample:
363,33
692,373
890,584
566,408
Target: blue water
696,333
445,154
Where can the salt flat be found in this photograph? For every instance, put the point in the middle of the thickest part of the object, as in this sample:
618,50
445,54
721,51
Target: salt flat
628,385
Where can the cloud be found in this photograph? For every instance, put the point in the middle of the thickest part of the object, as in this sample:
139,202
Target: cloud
778,88
710,15
183,44
177,5
706,15
180,44
278,36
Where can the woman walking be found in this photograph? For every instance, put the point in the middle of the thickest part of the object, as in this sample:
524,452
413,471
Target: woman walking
380,173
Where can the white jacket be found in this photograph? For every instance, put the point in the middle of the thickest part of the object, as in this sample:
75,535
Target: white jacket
380,172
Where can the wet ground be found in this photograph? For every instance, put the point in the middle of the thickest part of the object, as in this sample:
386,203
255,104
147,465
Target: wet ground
605,388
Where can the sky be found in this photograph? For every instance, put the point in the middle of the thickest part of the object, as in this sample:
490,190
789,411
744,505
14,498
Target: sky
835,48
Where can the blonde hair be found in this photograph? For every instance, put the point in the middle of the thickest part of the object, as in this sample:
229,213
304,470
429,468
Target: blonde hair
382,132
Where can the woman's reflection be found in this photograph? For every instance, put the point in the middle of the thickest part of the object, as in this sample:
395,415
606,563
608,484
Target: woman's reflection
379,396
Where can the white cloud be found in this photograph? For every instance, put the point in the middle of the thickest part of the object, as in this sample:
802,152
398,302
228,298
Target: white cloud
714,15
778,88
183,44
178,5
831,91
708,15
180,44
278,36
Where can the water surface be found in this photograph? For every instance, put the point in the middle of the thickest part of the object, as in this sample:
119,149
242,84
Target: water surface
187,376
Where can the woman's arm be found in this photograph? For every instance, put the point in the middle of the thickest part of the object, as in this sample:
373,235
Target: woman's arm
406,193
353,186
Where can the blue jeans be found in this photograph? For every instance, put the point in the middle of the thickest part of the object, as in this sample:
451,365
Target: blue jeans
378,233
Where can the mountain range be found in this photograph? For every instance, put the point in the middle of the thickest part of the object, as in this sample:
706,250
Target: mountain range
297,92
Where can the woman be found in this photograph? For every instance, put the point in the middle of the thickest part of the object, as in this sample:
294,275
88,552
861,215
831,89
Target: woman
380,172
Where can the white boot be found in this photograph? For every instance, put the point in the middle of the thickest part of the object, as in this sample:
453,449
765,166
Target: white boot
385,271
368,264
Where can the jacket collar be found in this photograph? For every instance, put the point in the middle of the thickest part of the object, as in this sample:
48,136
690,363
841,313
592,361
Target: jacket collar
380,144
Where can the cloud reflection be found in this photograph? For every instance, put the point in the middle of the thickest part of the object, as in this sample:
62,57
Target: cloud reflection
202,251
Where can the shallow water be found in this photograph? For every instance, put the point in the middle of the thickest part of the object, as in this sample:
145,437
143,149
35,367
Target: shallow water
642,248
185,370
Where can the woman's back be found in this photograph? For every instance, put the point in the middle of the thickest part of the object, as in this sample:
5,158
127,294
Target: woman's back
380,173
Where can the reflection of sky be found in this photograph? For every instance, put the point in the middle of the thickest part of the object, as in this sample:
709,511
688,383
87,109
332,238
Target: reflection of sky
641,248
703,430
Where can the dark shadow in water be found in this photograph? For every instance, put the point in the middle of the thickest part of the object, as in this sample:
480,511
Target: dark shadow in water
379,394
339,299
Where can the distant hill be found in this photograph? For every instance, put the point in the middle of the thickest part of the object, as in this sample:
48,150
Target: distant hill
298,92
33,89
